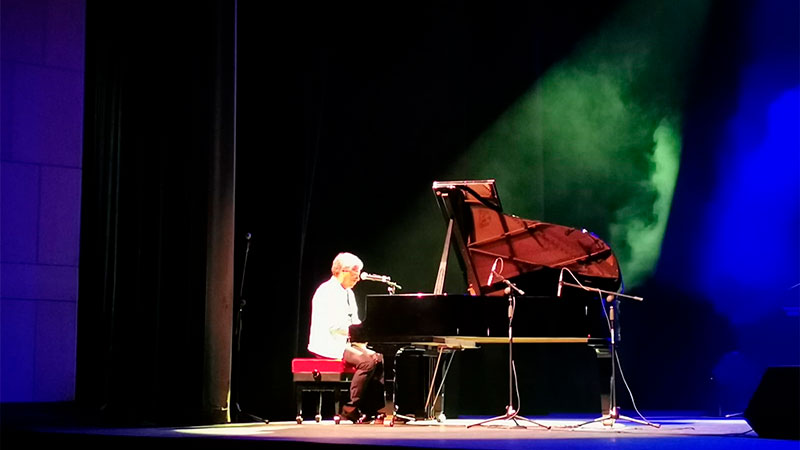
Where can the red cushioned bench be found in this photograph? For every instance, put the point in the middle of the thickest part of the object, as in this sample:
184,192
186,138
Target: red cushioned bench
320,375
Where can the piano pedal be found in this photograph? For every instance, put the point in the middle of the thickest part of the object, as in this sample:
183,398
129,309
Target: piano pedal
397,418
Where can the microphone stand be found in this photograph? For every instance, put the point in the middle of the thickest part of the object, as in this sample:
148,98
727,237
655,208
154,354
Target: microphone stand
392,286
238,413
510,414
613,414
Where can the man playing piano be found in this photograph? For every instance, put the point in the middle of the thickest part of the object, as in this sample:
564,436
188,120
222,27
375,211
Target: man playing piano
333,310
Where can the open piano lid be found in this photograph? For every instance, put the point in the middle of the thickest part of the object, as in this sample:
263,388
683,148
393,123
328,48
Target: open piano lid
529,248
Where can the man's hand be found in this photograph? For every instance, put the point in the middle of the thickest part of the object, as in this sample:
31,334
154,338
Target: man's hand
340,331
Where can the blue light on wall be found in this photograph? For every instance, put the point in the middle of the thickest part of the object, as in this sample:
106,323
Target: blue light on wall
748,249
752,251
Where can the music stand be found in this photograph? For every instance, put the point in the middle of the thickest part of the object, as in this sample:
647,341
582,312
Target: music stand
613,414
511,413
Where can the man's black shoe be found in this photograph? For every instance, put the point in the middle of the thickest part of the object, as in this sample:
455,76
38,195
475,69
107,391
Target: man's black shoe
352,414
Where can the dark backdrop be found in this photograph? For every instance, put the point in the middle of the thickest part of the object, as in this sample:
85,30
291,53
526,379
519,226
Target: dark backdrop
156,260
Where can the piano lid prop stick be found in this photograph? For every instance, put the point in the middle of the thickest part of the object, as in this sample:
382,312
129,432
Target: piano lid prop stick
494,272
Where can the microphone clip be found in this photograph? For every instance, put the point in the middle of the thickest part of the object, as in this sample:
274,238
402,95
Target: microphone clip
512,286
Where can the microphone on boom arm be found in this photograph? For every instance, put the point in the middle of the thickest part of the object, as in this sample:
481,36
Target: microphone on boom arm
560,282
379,278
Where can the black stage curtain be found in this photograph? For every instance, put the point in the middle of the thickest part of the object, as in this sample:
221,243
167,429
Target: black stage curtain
346,115
157,220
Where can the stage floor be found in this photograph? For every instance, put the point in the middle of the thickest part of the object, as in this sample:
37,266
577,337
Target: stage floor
674,432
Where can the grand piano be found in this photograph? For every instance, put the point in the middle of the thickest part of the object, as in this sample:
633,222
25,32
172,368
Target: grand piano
502,257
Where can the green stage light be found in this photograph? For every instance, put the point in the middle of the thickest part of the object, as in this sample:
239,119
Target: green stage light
596,142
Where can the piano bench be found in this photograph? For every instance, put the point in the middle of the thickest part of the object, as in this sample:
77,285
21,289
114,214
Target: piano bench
320,375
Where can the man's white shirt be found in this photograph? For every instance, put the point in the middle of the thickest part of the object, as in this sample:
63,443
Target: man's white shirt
333,309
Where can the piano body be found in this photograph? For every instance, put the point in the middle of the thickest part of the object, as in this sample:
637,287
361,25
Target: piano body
531,255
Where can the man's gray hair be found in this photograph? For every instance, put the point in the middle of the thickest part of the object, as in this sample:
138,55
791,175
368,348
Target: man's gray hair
345,261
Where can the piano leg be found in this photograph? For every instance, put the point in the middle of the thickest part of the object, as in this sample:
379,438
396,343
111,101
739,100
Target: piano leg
604,375
390,354
390,374
419,379
395,417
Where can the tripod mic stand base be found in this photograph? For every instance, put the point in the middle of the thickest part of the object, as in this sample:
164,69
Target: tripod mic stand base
613,416
247,418
513,416
243,417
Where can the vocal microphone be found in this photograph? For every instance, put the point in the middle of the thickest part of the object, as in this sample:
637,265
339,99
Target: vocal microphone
372,277
491,274
560,282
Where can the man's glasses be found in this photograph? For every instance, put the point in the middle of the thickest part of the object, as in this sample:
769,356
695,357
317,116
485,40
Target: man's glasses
357,272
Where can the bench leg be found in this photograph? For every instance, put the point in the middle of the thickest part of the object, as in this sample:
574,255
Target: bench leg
299,398
320,389
318,416
336,402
